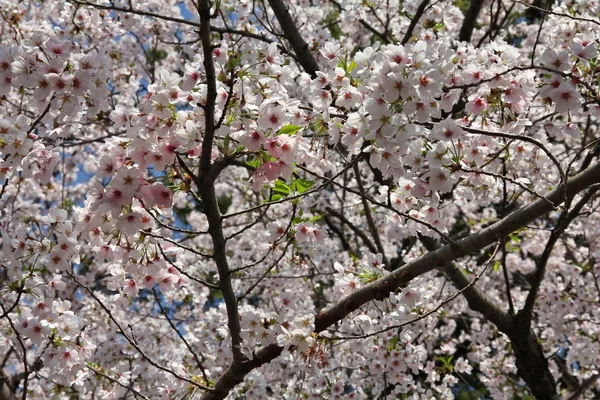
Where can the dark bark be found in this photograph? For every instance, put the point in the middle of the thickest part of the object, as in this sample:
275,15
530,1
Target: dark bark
531,363
414,21
291,33
466,30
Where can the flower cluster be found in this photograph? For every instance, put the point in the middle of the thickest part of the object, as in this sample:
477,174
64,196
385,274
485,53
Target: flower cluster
344,200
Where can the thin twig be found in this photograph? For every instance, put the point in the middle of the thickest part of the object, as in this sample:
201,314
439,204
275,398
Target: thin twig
183,339
559,14
113,380
133,342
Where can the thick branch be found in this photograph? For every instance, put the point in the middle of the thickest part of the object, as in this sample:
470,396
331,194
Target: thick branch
587,384
566,218
209,67
531,362
291,33
235,374
414,21
467,287
215,229
470,19
5,391
435,259
206,188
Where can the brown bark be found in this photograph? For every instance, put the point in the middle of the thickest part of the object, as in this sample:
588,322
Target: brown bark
531,363
466,30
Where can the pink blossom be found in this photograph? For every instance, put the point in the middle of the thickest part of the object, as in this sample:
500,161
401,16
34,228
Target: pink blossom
476,106
271,116
565,98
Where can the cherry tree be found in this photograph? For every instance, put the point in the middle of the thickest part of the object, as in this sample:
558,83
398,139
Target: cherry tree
302,199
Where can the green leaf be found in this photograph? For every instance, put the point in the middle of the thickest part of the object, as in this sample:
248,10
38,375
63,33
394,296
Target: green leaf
497,265
514,244
351,66
14,286
463,5
301,185
392,345
289,130
331,22
280,191
188,299
446,364
368,276
153,55
224,202
254,163
238,150
226,142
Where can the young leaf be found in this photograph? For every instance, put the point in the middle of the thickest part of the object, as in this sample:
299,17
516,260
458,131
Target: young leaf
289,130
301,185
280,191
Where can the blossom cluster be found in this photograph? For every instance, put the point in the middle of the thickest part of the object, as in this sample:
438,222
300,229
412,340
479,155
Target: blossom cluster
178,206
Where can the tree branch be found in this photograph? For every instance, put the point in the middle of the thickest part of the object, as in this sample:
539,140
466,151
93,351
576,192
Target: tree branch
476,299
559,14
131,341
588,383
291,33
211,95
381,288
414,21
368,215
526,313
197,358
476,295
354,229
466,30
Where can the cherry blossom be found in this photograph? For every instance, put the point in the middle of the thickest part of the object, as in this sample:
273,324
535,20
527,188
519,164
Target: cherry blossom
321,200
